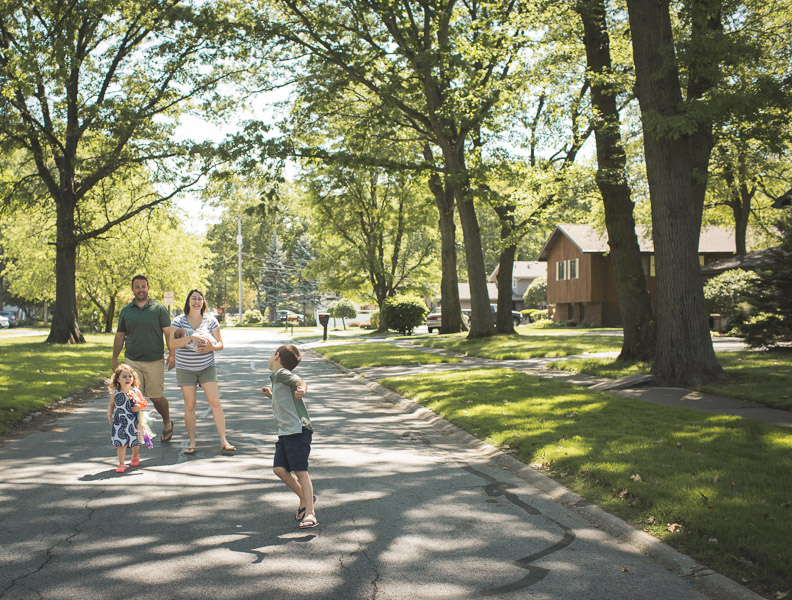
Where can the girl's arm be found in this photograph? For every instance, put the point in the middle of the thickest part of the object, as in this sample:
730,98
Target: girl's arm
110,410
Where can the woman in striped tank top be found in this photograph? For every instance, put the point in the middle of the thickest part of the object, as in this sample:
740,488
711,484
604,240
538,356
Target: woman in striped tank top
196,337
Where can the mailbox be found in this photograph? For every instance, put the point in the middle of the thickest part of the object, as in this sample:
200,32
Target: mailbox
324,319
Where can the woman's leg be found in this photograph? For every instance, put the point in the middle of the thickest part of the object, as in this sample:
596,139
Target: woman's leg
212,392
189,393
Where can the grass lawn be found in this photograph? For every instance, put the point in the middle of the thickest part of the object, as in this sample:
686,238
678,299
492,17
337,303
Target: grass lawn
355,356
533,345
33,374
719,488
764,377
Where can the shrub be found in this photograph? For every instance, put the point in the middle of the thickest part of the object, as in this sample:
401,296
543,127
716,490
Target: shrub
252,316
725,292
403,313
536,292
343,309
375,320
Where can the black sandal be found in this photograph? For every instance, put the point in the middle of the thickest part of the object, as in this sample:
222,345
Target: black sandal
301,511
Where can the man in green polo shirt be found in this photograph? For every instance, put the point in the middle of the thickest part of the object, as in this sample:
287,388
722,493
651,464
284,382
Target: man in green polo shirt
141,327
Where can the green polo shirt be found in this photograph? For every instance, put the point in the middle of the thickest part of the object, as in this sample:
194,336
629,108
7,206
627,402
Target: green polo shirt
143,328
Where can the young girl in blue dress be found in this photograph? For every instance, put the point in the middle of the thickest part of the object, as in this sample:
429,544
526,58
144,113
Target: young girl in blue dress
125,402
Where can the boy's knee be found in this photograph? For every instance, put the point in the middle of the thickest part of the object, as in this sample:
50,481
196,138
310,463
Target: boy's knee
279,471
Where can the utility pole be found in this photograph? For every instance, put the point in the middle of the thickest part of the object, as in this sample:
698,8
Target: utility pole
239,264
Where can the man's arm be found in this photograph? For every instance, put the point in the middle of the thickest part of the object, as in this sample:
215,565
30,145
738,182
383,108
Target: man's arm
118,344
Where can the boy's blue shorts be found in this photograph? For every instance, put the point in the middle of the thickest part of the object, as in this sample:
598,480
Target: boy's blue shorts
292,451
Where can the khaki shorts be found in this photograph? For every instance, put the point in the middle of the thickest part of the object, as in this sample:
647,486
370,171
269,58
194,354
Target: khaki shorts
194,378
151,376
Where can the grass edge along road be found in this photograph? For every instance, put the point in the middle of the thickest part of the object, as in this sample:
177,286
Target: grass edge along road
716,487
34,374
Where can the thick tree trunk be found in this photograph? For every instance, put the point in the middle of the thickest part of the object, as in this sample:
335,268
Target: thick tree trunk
65,329
684,354
635,304
481,324
504,323
451,310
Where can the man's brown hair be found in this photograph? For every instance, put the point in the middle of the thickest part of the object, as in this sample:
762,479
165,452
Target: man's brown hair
290,356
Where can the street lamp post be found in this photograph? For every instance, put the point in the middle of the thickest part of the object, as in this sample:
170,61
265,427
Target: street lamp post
239,264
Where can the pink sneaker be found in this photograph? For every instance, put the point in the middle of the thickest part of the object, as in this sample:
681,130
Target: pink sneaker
134,462
120,469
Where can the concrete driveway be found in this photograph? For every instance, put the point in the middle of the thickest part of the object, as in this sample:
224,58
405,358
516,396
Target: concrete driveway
406,511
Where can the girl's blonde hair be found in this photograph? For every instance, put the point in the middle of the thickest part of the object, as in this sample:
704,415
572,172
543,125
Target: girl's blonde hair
115,385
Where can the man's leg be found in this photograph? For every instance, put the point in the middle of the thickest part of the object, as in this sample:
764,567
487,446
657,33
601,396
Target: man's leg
161,404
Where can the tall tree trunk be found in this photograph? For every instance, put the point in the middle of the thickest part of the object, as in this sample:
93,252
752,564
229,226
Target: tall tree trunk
65,329
503,315
108,324
481,324
706,21
684,353
635,303
504,323
451,310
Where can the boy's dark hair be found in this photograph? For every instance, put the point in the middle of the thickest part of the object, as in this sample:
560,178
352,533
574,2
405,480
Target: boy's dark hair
290,356
136,277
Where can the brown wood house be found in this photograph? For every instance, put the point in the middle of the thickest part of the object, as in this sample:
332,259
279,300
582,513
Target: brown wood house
580,281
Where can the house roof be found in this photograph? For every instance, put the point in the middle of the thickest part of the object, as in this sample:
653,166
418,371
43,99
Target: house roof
749,262
589,239
523,269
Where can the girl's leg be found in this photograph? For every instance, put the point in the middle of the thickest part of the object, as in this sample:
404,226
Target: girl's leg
212,392
121,450
135,452
189,393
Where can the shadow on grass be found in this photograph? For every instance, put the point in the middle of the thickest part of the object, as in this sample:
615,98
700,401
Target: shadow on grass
722,484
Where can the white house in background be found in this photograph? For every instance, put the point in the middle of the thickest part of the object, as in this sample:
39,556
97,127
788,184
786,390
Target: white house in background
523,274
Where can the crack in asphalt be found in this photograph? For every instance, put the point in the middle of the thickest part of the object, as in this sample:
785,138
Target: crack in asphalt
50,552
495,489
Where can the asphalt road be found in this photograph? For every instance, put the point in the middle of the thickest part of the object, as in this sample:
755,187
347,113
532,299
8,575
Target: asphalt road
405,510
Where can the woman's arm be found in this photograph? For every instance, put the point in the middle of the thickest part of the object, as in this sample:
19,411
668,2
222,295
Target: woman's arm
212,345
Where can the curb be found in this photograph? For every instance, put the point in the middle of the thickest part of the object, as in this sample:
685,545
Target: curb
702,578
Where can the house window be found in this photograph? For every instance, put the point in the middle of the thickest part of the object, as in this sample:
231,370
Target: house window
567,269
701,260
648,264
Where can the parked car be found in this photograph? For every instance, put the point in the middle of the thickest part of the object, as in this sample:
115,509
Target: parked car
434,319
4,322
11,317
516,315
287,315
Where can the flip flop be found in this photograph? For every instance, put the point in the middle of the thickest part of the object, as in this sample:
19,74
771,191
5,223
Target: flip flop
167,435
190,450
301,511
228,448
120,469
308,523
134,462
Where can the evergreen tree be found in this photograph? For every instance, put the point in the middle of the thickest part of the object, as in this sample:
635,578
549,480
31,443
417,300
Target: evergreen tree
274,285
768,319
305,289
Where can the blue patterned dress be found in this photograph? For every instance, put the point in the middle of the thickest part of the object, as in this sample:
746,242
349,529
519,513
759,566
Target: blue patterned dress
125,422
